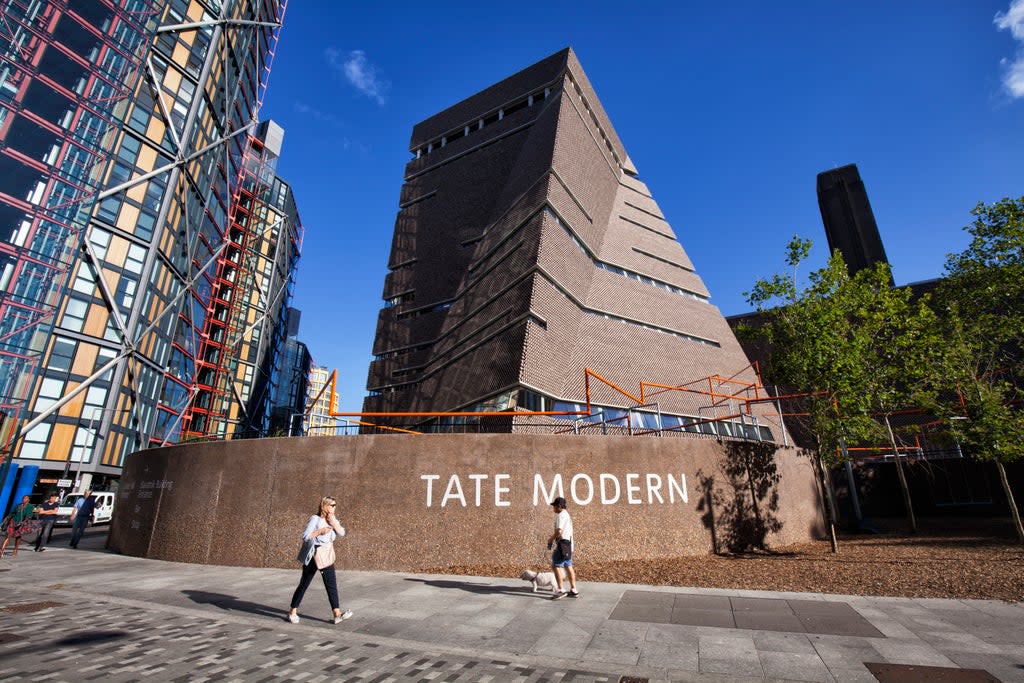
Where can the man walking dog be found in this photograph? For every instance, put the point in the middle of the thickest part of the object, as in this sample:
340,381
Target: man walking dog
561,558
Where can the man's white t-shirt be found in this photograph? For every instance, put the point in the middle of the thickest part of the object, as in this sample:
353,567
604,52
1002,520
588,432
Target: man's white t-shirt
564,522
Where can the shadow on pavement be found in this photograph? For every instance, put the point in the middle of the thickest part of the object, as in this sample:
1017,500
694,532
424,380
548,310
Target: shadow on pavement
91,638
479,588
82,640
233,604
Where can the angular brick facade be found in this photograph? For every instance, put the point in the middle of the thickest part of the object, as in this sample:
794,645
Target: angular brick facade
525,250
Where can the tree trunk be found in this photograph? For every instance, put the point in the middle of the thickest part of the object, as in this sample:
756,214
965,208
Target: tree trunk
903,479
761,531
1014,512
826,492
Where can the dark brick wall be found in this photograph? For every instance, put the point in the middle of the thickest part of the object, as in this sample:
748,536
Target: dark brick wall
489,227
245,503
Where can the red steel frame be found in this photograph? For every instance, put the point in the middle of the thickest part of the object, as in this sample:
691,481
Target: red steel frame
218,336
76,187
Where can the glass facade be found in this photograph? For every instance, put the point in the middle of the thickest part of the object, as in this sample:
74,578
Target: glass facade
66,75
156,170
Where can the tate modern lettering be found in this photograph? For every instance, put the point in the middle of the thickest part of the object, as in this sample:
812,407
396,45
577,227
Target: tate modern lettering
499,490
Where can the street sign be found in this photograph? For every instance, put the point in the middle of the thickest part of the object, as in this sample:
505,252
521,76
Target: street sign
64,483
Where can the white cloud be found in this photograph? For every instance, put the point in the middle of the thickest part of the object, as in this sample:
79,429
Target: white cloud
360,73
1013,20
317,114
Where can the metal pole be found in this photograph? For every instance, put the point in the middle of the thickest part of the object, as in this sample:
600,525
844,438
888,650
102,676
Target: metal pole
850,482
81,457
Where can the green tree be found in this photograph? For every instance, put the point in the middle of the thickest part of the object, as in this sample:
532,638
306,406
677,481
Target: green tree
853,344
981,307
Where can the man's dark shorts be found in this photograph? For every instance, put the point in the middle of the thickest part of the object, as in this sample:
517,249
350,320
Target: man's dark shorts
562,556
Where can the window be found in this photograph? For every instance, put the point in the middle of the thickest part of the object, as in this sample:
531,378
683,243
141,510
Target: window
644,420
108,209
62,354
95,397
136,256
85,282
82,449
100,241
36,441
50,390
104,356
74,315
125,294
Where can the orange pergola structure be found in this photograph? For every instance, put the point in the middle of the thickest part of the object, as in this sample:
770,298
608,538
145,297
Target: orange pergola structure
718,389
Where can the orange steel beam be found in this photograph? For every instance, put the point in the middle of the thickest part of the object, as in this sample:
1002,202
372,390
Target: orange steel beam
716,396
333,382
712,393
467,413
390,429
590,373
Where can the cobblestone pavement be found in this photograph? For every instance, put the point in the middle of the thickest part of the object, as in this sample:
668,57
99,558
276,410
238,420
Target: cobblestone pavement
86,614
88,639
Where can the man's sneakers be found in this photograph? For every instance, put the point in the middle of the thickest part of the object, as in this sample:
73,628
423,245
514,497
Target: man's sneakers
293,617
574,593
562,594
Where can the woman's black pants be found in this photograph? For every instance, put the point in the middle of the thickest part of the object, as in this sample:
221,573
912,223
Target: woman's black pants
330,583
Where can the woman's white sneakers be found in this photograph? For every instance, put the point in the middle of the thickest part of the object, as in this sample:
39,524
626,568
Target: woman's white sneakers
338,618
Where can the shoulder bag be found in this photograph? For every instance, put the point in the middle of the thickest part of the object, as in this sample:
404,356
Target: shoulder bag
324,556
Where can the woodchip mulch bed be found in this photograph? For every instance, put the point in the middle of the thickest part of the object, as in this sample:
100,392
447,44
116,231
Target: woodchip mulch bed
945,559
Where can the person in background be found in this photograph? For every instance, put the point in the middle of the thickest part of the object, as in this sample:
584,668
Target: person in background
17,524
48,514
321,530
561,558
81,516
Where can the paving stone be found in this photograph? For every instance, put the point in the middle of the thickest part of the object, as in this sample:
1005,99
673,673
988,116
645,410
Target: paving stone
769,621
125,619
861,675
838,655
672,634
728,646
909,652
794,666
766,605
702,602
839,625
782,642
674,656
732,666
703,617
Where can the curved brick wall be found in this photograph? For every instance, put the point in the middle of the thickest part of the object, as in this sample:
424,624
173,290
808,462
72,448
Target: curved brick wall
420,502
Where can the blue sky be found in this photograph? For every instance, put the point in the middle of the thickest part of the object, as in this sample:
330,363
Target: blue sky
728,110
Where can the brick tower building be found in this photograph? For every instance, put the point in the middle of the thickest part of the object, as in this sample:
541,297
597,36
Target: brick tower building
525,250
849,221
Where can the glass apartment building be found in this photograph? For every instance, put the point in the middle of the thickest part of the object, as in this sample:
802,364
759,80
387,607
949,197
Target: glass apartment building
147,247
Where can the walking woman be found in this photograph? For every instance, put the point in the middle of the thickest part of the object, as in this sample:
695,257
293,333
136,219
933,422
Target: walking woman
317,553
17,524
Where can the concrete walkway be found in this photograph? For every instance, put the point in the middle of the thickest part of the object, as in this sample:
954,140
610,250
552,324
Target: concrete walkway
86,614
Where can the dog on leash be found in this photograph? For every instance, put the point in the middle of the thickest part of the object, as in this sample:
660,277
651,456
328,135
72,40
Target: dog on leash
544,580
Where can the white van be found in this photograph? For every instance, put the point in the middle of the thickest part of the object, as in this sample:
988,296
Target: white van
103,511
